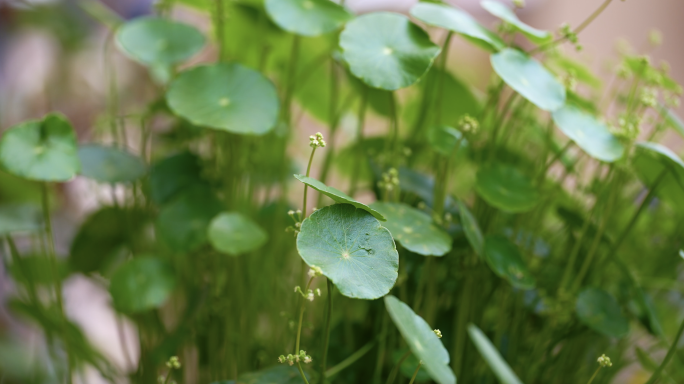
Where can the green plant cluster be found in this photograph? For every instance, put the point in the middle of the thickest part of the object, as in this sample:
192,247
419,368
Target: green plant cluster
521,235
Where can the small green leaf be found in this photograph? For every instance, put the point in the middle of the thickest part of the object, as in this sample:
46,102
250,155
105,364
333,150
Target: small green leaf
43,150
506,14
227,97
280,374
505,260
234,233
414,229
459,21
445,139
337,195
423,342
142,284
159,41
307,17
492,356
110,165
352,249
504,187
598,310
471,228
588,133
183,223
172,175
529,78
650,161
19,218
386,50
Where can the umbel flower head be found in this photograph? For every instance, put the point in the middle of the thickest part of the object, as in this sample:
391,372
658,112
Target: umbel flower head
468,125
291,359
438,333
173,363
604,361
316,140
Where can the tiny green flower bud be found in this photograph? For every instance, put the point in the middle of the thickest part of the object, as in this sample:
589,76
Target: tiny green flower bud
604,361
438,333
307,359
310,295
282,359
318,291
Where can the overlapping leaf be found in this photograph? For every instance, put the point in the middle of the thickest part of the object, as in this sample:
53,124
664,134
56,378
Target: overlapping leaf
337,195
307,17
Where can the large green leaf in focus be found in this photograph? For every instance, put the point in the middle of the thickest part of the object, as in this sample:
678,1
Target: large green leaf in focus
651,161
588,133
234,233
159,41
307,17
492,356
43,150
182,224
386,50
19,218
414,229
459,21
423,342
172,175
227,97
109,164
506,188
505,260
337,195
598,310
506,14
142,284
529,78
352,249
471,228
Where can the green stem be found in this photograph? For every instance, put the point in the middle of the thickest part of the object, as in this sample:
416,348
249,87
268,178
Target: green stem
333,120
289,91
359,141
440,84
668,357
55,272
397,367
594,375
19,263
462,315
395,131
220,30
306,187
299,329
326,339
421,284
381,350
349,360
413,378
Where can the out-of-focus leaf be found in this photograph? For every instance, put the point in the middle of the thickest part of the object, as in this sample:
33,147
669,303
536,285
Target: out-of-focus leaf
492,356
142,284
506,188
471,228
234,233
651,161
307,17
19,218
110,165
506,14
588,133
172,175
598,310
505,260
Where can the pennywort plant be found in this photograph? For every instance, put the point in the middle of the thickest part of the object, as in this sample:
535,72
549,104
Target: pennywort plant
513,234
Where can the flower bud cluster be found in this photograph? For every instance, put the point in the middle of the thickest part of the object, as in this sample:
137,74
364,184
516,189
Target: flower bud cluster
316,140
291,359
569,35
309,295
604,361
468,125
438,333
173,363
390,180
296,216
315,271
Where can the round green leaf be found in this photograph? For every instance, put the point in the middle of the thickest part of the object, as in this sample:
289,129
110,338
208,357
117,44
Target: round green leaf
414,229
506,14
172,175
19,218
307,17
505,260
386,50
598,310
590,134
142,284
444,139
423,342
234,234
650,161
459,21
280,374
504,187
183,223
352,249
159,41
471,228
110,165
529,78
43,150
228,97
337,195
492,356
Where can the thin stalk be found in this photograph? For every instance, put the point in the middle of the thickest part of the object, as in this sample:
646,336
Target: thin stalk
220,30
462,315
381,350
19,263
413,378
440,84
289,91
421,284
395,130
350,360
594,375
326,339
306,187
396,368
299,330
555,158
577,30
333,119
361,118
55,272
668,357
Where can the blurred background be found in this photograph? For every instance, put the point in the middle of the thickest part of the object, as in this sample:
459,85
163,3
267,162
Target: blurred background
52,58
